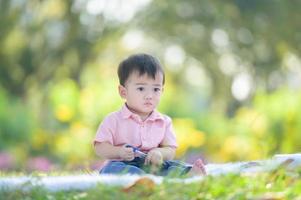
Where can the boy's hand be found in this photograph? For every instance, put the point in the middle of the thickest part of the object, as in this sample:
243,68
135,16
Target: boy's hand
154,157
126,153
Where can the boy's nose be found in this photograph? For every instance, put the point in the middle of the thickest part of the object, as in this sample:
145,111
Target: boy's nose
148,95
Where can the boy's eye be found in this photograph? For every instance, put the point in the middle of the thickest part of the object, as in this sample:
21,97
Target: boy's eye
140,88
157,89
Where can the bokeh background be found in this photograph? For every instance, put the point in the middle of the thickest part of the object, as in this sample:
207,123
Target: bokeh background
233,71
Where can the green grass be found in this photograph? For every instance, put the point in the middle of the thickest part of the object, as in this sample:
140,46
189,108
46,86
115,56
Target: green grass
274,185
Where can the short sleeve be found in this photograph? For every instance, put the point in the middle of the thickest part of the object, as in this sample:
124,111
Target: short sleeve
106,130
169,136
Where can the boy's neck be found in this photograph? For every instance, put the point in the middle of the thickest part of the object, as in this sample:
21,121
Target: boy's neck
142,117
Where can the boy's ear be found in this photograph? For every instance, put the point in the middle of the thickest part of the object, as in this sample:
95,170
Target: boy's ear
122,91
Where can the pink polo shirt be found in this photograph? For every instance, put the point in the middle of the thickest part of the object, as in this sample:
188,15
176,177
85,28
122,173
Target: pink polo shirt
124,127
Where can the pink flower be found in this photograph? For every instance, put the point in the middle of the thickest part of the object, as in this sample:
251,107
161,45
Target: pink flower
39,164
7,161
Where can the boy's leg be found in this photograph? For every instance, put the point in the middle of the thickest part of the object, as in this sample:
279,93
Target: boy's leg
139,162
177,168
174,168
119,167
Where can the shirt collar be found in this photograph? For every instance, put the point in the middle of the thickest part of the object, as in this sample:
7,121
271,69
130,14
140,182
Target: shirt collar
126,113
155,115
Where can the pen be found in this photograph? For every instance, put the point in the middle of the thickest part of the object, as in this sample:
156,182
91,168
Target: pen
137,151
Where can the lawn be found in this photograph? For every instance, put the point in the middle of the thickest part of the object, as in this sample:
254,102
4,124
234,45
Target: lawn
277,184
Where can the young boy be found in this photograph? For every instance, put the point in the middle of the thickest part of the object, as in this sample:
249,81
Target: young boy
138,139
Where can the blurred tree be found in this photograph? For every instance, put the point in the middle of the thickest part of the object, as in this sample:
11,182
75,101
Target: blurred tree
45,48
48,40
237,42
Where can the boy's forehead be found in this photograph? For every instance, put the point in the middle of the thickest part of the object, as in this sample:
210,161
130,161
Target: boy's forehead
136,77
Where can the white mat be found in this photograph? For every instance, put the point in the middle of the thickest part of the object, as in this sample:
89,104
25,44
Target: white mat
82,182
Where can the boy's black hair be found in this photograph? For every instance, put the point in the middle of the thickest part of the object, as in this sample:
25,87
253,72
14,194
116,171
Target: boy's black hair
142,63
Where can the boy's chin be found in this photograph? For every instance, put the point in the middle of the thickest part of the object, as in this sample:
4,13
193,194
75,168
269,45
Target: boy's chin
147,111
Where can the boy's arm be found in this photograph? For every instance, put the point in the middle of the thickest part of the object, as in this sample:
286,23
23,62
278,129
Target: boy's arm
107,151
168,153
167,148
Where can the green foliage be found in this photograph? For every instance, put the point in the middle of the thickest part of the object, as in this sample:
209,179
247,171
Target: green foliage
276,185
269,125
17,123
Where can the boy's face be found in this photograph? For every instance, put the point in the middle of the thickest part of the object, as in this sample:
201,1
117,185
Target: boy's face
142,93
